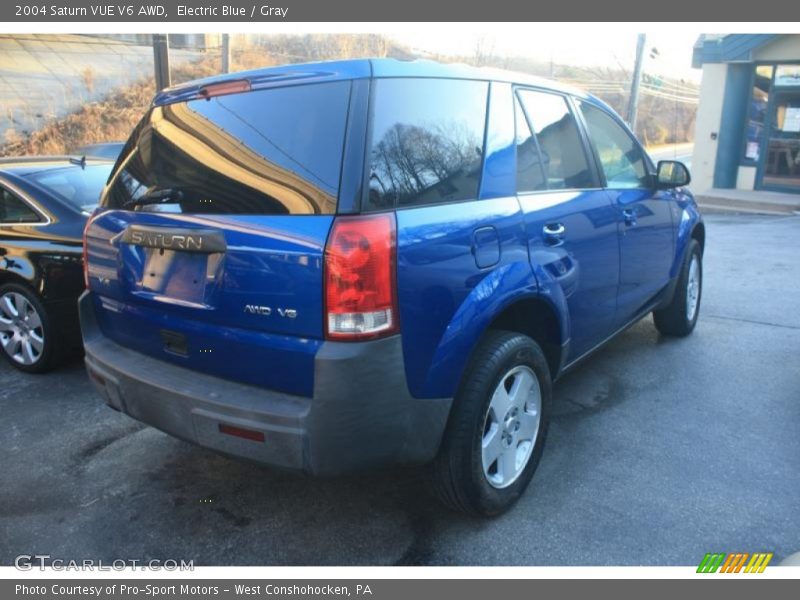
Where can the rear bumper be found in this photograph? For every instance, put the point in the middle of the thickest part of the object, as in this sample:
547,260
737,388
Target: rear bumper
361,413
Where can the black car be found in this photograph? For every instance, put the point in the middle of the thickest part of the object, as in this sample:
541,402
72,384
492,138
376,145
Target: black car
44,204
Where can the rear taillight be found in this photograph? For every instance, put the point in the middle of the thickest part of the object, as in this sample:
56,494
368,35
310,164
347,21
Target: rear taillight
360,288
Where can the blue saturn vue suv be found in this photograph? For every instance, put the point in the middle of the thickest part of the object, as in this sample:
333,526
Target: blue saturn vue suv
341,265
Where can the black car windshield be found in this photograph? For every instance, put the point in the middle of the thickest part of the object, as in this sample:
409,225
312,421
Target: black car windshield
78,186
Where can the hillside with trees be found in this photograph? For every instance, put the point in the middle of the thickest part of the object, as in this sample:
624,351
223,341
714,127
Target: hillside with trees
666,112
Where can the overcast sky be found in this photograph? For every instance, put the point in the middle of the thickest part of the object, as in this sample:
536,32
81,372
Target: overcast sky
545,43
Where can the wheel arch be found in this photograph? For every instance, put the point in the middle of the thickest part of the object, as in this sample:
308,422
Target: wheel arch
534,315
689,227
501,300
538,319
699,234
31,283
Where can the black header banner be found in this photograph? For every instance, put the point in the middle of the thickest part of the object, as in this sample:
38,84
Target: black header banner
260,11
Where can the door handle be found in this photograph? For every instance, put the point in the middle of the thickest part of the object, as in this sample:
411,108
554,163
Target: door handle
630,216
554,234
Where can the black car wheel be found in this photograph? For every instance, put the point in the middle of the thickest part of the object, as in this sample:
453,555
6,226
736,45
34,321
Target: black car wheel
497,428
26,331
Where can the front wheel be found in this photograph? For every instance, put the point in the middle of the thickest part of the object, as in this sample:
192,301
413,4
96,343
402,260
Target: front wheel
679,317
495,437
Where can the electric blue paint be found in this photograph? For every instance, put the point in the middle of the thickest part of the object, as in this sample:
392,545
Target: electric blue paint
273,261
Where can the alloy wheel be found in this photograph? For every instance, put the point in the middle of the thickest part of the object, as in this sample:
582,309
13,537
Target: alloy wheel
511,426
21,329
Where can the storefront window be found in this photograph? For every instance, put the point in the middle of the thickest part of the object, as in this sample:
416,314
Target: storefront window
787,75
757,112
782,165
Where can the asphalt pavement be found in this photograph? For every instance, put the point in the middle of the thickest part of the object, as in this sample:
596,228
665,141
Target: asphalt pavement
661,450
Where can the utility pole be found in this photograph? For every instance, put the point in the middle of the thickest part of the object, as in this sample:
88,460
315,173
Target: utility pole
161,60
633,103
226,53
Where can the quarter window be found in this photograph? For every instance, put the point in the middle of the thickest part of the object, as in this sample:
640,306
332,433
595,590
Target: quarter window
427,141
562,152
622,160
14,210
530,173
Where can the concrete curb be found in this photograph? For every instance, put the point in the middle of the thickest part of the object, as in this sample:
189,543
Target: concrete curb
757,203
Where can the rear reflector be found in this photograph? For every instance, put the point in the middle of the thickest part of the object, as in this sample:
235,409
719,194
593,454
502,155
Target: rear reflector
224,88
248,434
360,288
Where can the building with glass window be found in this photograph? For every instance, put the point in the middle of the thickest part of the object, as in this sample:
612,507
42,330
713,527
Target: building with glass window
748,119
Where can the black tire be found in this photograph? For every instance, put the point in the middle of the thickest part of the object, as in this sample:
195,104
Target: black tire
49,355
457,473
673,319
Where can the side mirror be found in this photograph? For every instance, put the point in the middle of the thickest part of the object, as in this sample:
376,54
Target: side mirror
672,174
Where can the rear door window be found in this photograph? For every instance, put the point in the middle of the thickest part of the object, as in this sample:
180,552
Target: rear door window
426,142
272,151
562,151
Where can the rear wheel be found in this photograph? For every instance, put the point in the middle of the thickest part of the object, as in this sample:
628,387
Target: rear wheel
496,433
26,331
680,316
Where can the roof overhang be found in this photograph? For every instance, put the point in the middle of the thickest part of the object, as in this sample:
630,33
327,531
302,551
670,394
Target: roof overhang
731,48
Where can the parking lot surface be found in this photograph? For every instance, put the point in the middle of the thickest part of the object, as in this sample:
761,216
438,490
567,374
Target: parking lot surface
661,450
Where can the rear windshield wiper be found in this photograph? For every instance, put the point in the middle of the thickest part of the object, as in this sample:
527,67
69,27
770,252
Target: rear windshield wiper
155,197
81,162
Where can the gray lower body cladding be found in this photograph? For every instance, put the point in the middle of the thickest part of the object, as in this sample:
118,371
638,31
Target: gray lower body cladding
361,414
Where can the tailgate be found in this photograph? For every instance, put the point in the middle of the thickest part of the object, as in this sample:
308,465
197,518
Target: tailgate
208,247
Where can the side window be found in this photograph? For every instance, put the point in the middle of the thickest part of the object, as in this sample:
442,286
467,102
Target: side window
562,152
426,143
14,210
622,161
530,173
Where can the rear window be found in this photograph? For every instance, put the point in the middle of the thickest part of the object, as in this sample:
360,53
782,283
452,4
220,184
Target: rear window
274,152
78,186
426,142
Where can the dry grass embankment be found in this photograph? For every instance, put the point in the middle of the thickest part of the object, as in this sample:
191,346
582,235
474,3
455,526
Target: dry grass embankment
113,118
